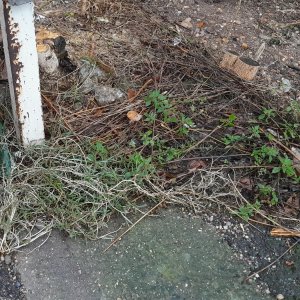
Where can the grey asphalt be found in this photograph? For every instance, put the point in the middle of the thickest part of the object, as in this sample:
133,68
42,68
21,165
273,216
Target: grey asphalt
168,257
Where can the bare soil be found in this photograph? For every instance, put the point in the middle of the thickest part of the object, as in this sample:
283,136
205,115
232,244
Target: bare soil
243,26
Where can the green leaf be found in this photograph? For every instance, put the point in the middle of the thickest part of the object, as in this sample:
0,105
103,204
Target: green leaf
276,170
287,166
100,149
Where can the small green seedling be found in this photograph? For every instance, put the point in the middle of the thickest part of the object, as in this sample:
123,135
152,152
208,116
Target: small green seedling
158,100
147,138
185,124
150,117
230,121
268,194
255,132
265,153
248,210
266,114
139,166
286,167
97,152
231,139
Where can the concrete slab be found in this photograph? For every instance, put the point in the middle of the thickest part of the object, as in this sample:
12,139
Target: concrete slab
169,257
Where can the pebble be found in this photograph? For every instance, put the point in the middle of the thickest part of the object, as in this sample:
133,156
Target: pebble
228,224
7,259
245,46
186,23
279,297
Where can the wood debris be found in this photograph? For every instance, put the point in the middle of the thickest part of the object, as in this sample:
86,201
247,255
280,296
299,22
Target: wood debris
280,232
243,67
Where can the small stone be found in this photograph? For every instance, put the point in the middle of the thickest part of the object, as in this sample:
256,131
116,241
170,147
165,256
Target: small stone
2,258
91,76
228,224
245,46
106,94
102,20
187,23
7,259
225,40
279,297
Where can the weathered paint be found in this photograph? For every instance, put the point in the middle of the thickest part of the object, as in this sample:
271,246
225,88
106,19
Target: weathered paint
17,24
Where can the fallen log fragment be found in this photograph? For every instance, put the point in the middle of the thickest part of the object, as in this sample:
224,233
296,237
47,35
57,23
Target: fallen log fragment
246,68
229,59
48,61
243,67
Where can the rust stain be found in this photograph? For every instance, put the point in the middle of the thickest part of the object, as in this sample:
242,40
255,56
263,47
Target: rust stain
13,48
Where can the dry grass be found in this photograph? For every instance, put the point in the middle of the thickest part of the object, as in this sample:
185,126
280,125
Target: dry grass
58,187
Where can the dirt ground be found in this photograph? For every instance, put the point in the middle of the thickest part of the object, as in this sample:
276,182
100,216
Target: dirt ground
243,26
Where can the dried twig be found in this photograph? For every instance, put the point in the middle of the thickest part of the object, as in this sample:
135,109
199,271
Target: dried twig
141,90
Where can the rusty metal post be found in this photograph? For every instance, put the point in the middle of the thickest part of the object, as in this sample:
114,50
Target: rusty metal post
17,24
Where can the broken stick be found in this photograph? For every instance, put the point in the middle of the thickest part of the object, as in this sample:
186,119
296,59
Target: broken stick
280,232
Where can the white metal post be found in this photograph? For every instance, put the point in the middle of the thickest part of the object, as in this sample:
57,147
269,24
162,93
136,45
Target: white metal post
17,24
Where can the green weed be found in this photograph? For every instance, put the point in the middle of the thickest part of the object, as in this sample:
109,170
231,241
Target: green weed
255,132
139,167
286,167
161,109
230,121
265,153
294,109
268,194
266,114
247,211
231,139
